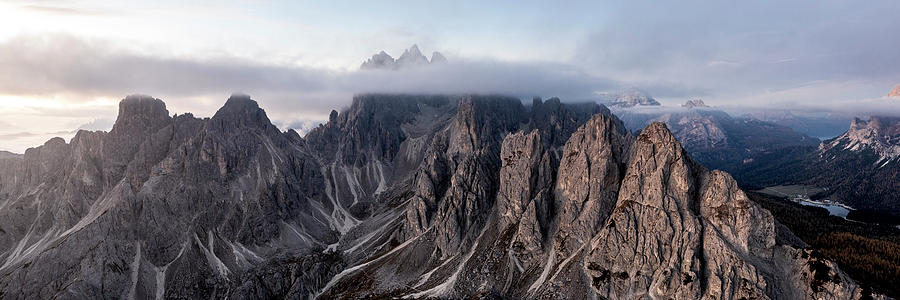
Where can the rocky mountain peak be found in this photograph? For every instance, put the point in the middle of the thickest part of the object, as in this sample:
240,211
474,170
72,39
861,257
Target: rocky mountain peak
658,133
54,144
412,51
139,117
694,103
140,108
557,121
411,57
883,129
886,126
239,102
437,58
631,97
895,93
381,60
332,117
878,134
239,109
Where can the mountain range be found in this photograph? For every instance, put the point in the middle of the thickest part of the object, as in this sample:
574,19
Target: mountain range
715,138
410,58
630,97
695,103
860,167
397,196
7,154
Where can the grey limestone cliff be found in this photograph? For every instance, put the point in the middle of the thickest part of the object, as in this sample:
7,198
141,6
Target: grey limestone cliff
465,196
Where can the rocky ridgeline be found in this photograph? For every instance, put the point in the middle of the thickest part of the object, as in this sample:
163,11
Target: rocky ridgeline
880,135
632,97
694,103
418,196
716,139
860,167
410,58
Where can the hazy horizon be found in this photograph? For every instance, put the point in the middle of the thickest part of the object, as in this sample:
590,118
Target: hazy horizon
65,64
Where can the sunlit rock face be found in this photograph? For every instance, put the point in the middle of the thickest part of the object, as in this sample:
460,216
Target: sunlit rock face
398,195
895,92
860,166
880,135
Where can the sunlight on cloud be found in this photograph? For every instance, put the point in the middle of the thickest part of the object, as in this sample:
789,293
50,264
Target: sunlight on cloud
31,121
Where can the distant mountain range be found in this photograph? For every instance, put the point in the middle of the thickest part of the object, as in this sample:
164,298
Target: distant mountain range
7,154
716,139
694,103
819,125
628,98
860,167
397,196
410,58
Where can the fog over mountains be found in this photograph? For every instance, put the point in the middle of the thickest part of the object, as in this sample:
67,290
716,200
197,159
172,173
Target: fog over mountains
76,83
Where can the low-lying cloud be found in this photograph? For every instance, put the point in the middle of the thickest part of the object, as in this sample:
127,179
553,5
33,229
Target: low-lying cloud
81,70
51,64
75,71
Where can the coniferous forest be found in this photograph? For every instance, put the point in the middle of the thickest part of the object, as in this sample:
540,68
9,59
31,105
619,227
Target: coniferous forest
869,253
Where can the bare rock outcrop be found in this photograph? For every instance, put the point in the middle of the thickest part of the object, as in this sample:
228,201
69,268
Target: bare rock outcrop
589,179
680,231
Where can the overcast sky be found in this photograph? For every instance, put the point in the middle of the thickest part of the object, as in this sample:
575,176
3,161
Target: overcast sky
65,64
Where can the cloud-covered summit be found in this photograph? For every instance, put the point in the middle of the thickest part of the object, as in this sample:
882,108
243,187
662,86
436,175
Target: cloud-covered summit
410,58
61,68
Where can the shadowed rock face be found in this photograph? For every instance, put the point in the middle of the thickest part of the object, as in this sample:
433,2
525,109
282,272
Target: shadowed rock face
421,196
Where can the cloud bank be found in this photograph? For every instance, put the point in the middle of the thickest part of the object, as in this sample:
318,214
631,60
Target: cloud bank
75,72
818,57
